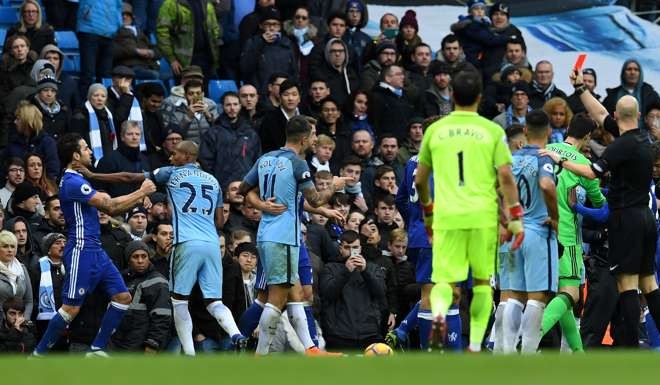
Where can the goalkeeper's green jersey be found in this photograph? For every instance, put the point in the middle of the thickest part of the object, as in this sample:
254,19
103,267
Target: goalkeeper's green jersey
569,233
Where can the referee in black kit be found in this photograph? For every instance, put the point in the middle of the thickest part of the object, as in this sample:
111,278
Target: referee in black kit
631,224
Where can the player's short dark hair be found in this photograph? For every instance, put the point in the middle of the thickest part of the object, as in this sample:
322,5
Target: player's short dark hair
339,198
228,94
580,126
157,224
297,128
449,39
193,83
68,145
514,130
382,170
467,86
351,160
537,123
655,147
349,236
15,303
387,199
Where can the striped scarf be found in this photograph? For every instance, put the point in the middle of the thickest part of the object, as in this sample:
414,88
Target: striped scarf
95,132
136,116
47,307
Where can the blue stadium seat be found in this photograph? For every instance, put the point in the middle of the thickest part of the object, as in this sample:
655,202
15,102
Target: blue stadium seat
8,16
71,63
3,34
67,41
217,88
106,82
165,69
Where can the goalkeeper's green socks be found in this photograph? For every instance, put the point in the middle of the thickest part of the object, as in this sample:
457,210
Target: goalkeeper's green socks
441,298
554,311
480,310
570,331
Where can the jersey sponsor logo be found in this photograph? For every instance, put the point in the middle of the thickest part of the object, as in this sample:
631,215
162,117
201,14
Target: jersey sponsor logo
86,189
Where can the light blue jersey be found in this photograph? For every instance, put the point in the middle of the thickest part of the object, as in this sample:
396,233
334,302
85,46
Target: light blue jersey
193,195
528,169
283,175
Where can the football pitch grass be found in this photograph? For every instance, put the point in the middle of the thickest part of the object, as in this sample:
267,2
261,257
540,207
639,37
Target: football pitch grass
619,368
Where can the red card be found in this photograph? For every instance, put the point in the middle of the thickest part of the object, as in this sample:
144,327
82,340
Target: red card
580,61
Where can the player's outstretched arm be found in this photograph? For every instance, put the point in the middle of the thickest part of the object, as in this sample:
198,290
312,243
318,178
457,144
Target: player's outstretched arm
591,104
578,169
121,204
117,177
316,199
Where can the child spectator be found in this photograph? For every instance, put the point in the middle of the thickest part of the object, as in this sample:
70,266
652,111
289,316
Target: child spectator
321,159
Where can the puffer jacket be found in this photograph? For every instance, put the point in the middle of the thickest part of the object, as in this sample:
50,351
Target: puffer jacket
147,321
175,32
23,290
259,60
101,18
228,150
55,124
350,301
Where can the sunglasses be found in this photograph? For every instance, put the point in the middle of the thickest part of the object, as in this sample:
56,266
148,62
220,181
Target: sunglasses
301,17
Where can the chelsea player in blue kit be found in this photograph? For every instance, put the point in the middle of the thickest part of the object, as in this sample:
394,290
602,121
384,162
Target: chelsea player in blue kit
533,269
87,265
283,175
196,201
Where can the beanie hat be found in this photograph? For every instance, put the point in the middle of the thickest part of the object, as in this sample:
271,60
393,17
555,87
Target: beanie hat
410,18
24,191
246,247
508,69
498,7
269,13
385,45
134,246
520,86
127,8
354,4
592,72
95,87
49,240
136,210
46,77
476,3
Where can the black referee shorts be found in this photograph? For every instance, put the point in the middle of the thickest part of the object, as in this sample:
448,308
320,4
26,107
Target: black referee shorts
632,241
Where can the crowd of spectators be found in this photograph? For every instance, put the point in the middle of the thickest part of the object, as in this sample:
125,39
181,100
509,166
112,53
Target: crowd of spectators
371,96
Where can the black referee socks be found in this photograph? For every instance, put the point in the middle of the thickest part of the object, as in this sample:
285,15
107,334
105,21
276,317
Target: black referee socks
629,303
653,300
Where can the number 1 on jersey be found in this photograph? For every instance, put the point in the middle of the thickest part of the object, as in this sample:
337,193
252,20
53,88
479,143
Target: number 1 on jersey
461,176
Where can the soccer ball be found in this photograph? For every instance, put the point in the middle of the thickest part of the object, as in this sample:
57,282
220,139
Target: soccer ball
378,349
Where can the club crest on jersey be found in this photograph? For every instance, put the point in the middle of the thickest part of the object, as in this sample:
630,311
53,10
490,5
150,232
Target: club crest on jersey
306,175
548,167
86,189
81,291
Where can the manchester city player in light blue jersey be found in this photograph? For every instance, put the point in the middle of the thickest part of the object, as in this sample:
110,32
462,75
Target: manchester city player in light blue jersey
283,175
533,270
196,201
87,265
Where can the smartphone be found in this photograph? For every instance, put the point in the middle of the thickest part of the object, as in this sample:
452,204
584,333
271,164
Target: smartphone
580,62
355,252
197,99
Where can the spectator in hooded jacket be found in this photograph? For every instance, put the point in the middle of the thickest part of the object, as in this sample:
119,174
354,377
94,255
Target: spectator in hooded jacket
338,75
31,138
31,24
231,146
336,23
501,25
146,325
131,47
268,53
55,114
67,91
632,83
353,290
357,41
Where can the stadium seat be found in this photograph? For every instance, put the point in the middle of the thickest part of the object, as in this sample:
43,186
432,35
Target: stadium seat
67,41
217,88
71,64
3,34
106,82
8,16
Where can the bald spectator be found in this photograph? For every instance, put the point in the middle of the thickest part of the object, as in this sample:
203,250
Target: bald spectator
391,107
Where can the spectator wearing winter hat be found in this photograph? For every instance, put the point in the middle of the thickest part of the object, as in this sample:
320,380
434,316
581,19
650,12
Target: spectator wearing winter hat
497,94
339,76
474,32
413,142
357,17
268,52
55,115
408,38
589,80
493,55
249,25
67,92
437,97
123,104
137,222
158,211
131,47
24,202
337,26
168,139
519,107
385,55
31,138
146,325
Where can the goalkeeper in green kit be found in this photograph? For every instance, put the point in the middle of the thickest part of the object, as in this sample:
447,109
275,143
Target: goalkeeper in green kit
570,234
